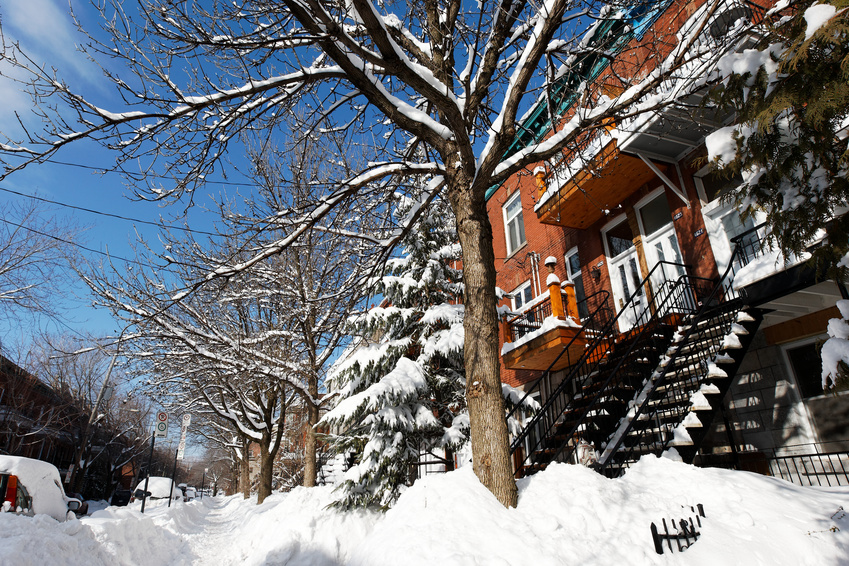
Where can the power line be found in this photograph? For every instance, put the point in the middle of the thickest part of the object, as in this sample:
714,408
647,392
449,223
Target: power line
109,170
75,244
109,214
104,170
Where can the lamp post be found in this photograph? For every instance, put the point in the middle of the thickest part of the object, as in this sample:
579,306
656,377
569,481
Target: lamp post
202,481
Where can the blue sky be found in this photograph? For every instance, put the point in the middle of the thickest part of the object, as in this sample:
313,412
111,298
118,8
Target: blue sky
46,32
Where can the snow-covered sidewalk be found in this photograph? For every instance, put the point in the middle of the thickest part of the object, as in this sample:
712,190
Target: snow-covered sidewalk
566,515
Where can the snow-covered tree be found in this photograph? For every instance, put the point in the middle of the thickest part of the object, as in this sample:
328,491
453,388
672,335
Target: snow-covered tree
244,350
790,141
37,255
401,387
434,89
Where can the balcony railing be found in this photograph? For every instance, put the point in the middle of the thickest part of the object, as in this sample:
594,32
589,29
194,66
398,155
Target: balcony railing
750,245
530,320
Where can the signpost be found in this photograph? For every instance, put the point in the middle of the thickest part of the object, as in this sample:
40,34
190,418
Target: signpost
160,429
181,448
161,424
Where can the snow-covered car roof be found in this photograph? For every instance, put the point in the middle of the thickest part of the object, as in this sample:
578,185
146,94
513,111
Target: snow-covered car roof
42,482
158,488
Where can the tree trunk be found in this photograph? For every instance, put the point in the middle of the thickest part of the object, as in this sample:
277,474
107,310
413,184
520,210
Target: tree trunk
266,469
310,444
245,470
490,441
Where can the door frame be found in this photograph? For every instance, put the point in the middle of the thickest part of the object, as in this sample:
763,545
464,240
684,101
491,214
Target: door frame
618,260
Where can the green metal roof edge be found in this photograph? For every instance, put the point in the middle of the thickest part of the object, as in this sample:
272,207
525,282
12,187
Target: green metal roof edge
530,130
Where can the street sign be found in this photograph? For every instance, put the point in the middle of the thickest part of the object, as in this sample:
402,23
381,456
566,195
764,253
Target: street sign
187,420
161,427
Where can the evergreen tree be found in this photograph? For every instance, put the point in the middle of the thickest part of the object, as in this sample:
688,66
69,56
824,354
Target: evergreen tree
402,386
791,95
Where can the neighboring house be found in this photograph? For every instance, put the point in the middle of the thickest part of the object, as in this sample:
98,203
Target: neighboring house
690,334
35,421
38,422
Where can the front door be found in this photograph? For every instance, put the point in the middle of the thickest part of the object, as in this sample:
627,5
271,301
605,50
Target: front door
660,242
623,266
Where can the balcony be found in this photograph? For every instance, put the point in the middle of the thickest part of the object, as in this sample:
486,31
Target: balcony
545,337
787,288
595,179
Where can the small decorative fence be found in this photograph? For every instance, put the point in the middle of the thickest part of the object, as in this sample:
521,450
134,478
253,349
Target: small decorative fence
684,533
825,470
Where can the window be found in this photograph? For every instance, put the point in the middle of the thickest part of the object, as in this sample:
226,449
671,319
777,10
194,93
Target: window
573,268
714,186
522,295
655,215
514,225
807,367
620,239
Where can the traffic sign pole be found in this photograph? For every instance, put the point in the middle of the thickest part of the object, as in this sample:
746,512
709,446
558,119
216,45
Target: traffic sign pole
160,428
149,462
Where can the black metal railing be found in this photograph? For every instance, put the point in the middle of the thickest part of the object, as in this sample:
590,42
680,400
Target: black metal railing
749,245
529,320
721,306
681,295
599,315
825,470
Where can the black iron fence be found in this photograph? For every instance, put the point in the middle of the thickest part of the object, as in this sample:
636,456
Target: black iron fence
530,320
824,470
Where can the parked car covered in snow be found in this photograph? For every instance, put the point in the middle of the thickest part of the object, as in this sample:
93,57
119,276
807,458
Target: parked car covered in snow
191,493
32,487
158,488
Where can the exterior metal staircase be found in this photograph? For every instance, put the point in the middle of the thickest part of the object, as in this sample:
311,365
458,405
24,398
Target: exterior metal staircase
655,386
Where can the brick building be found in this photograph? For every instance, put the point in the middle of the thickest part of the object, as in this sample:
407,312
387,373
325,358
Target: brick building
689,333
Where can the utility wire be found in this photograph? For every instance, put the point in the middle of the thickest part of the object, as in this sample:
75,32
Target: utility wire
104,170
75,244
109,214
108,170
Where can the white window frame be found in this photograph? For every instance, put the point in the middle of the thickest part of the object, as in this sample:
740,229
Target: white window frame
801,404
524,240
566,256
607,228
519,291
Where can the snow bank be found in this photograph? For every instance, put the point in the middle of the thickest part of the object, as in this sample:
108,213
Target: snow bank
571,515
114,537
566,515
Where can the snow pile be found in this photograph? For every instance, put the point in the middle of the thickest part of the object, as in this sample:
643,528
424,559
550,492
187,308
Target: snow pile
566,515
118,537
